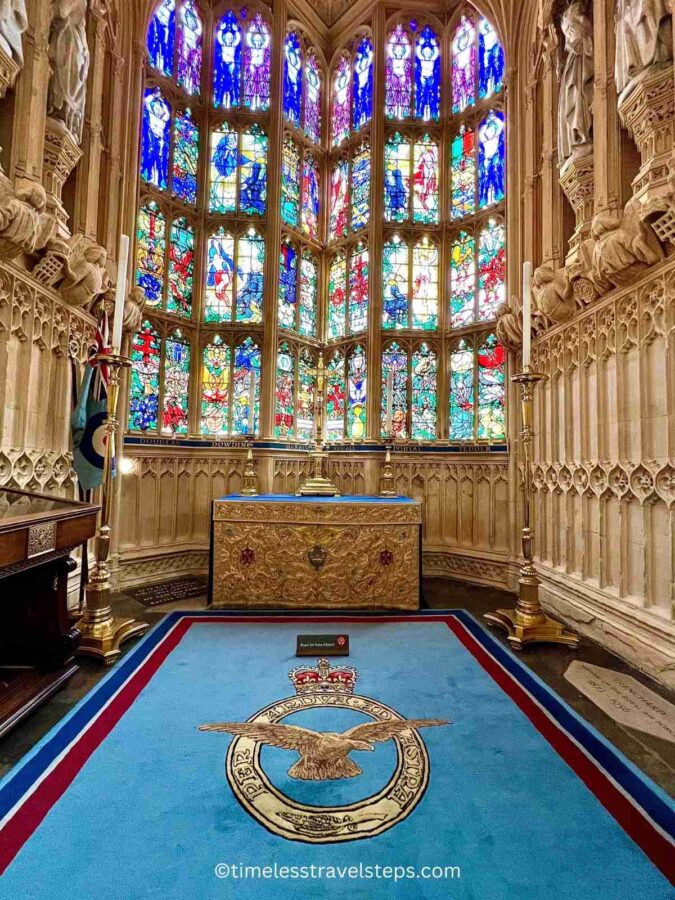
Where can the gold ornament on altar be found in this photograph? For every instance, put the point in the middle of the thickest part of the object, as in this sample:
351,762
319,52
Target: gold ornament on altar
318,484
387,485
250,480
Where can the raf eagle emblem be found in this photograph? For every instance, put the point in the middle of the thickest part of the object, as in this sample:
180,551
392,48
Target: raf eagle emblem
324,755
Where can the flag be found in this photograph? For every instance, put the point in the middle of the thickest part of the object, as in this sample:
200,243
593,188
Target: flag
87,423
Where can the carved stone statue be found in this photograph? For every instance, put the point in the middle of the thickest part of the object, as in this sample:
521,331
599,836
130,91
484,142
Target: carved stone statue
575,122
25,226
623,248
87,276
69,59
509,327
644,35
133,310
13,23
553,294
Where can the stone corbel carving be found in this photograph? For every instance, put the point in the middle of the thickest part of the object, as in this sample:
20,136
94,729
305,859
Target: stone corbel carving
133,310
25,226
13,23
553,295
509,327
644,37
575,121
69,59
623,248
86,274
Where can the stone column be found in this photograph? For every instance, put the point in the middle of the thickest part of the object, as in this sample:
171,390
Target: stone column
606,132
552,223
61,155
577,181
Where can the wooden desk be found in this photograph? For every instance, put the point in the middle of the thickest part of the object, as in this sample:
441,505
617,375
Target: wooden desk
37,533
281,551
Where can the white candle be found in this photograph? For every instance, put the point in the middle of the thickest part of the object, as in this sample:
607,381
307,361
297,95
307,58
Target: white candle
527,314
251,403
120,292
390,402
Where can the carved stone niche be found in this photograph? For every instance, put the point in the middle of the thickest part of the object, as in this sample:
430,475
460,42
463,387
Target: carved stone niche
61,155
647,110
576,180
9,69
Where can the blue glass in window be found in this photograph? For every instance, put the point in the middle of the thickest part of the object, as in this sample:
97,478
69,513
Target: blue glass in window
292,79
427,75
155,139
227,62
162,37
363,84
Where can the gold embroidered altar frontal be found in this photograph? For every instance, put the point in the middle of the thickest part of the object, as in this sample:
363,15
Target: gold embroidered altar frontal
282,551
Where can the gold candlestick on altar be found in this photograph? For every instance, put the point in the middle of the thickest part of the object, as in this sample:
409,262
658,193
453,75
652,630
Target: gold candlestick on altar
318,485
102,633
387,484
528,623
250,481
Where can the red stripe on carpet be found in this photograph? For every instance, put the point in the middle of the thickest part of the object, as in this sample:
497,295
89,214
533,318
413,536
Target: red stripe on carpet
630,818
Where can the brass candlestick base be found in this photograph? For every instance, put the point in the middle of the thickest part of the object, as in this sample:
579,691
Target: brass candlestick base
102,633
528,623
387,485
250,481
317,485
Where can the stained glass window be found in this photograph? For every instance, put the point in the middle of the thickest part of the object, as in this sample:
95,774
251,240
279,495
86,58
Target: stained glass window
491,269
292,86
424,371
339,203
310,198
246,388
290,183
477,392
491,372
491,168
253,171
356,393
337,295
394,392
425,285
219,293
341,102
395,283
398,84
358,289
361,187
363,83
185,157
215,387
144,388
256,75
251,263
462,280
181,268
464,65
490,60
284,394
335,397
425,181
309,287
176,381
306,381
396,178
162,37
427,75
288,285
227,165
463,173
313,78
227,62
461,393
156,136
224,167
189,43
150,249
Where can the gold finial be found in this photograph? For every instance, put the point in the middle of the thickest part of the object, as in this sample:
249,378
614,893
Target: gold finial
387,486
250,481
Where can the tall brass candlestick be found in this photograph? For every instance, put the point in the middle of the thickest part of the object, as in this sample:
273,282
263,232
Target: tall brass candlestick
528,623
318,485
102,633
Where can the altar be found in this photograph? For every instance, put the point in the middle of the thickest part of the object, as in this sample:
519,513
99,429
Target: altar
279,551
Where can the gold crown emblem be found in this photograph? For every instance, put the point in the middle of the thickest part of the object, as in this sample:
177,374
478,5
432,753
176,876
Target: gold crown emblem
324,679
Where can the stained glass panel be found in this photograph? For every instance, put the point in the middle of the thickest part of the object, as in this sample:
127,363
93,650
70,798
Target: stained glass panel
398,84
227,62
181,268
284,393
361,187
394,411
491,169
335,398
427,75
337,295
425,182
395,284
250,266
224,164
176,381
357,388
162,37
256,77
150,249
341,102
425,285
306,379
462,280
358,290
491,269
313,79
424,394
309,281
288,285
461,393
310,198
156,128
397,179
463,174
253,172
464,65
246,388
491,372
144,390
363,83
215,387
219,292
490,60
292,89
339,207
290,183
189,42
185,157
